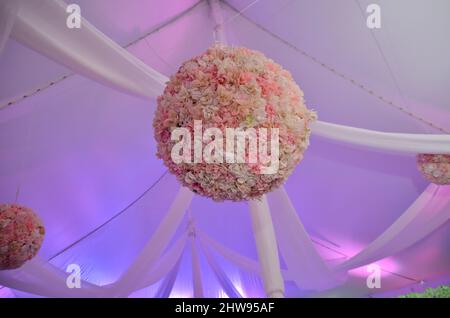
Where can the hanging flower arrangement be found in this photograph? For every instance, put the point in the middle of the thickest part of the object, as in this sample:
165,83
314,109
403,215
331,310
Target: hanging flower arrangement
21,235
224,93
435,168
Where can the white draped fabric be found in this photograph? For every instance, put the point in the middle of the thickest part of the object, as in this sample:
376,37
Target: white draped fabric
304,264
430,211
164,264
309,271
166,286
412,143
41,278
241,261
227,286
41,25
156,245
424,216
89,52
8,14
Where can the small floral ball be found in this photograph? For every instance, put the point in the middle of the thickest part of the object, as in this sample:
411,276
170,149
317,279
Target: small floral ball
436,168
21,235
233,87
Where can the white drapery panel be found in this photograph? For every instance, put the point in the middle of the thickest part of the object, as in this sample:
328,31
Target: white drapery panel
88,52
424,216
412,143
234,257
42,278
430,211
164,264
156,245
8,14
305,265
166,286
243,262
222,278
41,25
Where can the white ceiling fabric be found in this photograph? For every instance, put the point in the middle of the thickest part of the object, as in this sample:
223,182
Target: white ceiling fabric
61,152
8,13
90,53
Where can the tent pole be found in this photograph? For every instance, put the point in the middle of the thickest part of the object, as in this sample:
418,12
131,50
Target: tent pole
266,245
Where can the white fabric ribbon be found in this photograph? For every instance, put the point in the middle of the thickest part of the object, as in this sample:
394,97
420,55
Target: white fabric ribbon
164,264
412,143
226,284
305,265
42,278
156,245
243,262
41,25
8,14
165,289
430,211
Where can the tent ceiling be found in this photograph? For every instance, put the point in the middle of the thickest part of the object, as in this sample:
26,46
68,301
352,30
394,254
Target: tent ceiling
81,152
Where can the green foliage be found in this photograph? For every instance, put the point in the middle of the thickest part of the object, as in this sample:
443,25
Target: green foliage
439,292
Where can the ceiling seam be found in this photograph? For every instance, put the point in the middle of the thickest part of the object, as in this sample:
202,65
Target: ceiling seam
384,58
355,83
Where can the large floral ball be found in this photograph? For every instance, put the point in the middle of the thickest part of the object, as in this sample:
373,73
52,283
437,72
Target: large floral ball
436,168
21,235
233,87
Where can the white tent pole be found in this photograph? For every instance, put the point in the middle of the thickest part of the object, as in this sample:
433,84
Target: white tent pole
266,244
216,12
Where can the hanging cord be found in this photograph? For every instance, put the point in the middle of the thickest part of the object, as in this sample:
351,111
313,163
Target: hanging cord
385,59
341,75
112,218
171,67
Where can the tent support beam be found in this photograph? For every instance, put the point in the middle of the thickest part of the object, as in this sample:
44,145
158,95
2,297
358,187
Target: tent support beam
266,245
